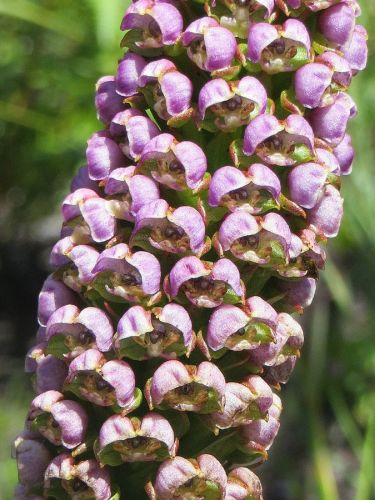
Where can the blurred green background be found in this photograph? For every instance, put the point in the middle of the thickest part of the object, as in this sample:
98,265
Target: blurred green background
51,54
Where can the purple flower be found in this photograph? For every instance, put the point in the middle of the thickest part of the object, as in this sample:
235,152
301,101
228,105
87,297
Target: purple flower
278,142
168,90
330,122
87,216
258,436
131,276
53,295
279,48
103,155
326,157
159,23
254,191
356,51
337,23
344,152
104,383
122,439
243,484
177,165
70,331
107,101
306,183
305,256
49,372
129,70
297,294
209,46
325,217
193,478
163,331
178,231
128,192
77,261
244,402
244,328
315,82
82,480
262,240
232,104
61,422
32,458
186,387
133,130
205,284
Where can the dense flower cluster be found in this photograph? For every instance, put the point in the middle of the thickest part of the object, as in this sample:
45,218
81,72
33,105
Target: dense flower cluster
190,238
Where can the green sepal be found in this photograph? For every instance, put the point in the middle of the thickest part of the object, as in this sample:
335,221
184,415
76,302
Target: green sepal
237,155
174,50
131,349
289,102
212,404
130,40
302,153
57,346
231,297
249,66
212,492
301,58
179,421
264,333
39,421
116,492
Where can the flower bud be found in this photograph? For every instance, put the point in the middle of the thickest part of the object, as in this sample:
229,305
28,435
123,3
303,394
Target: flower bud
182,387
107,101
279,48
244,328
104,383
182,478
177,165
122,439
278,142
262,240
131,276
232,104
253,191
209,46
62,422
32,458
204,284
70,331
84,480
243,484
165,331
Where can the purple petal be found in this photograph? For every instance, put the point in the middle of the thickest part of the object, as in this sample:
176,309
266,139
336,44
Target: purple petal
54,294
73,422
121,377
221,48
327,213
311,81
356,51
154,70
103,155
136,321
260,36
101,223
258,130
225,270
305,183
107,100
235,226
178,91
224,321
344,152
128,72
185,269
50,374
213,92
337,23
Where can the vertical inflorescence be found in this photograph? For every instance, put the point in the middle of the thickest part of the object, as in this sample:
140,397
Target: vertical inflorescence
190,238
